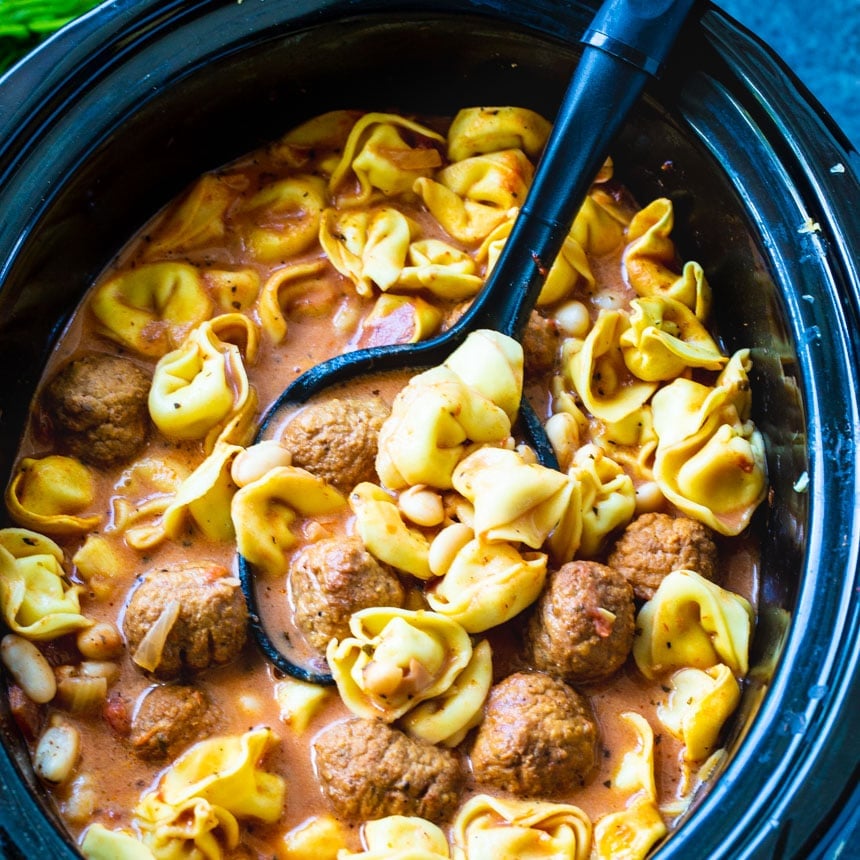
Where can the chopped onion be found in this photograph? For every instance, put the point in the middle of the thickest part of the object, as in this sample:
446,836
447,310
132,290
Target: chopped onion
148,654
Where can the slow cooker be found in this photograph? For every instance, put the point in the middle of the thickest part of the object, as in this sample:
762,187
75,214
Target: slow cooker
112,117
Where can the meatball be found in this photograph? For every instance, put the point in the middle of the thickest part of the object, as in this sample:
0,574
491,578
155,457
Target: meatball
333,578
168,719
98,407
368,769
210,625
540,344
581,628
538,737
654,545
337,439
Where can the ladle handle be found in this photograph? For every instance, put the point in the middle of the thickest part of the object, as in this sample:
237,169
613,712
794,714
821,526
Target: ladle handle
627,43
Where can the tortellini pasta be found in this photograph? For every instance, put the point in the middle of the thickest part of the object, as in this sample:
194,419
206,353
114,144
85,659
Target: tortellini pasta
151,308
469,198
100,843
369,248
36,599
447,718
513,500
199,219
319,141
279,289
263,511
599,374
436,417
607,497
203,384
631,832
396,659
400,319
488,584
401,837
664,339
691,622
50,493
204,497
380,159
487,828
710,459
384,533
284,217
699,703
649,257
478,130
439,267
199,798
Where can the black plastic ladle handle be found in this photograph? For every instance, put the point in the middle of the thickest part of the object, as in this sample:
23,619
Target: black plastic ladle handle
626,44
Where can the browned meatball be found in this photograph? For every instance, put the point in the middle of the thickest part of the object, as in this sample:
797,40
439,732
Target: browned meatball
168,719
538,737
540,344
337,439
581,628
654,545
333,578
369,770
97,405
210,628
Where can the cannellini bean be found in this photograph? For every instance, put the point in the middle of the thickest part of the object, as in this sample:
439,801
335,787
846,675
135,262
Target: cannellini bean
101,641
572,319
254,462
422,506
445,546
80,804
649,498
563,434
28,666
57,753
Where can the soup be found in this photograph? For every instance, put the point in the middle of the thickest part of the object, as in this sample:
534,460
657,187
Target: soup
516,652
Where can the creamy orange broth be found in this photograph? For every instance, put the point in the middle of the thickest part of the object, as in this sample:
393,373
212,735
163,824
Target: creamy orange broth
242,691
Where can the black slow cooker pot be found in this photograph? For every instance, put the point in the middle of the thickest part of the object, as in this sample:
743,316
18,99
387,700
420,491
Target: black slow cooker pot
112,117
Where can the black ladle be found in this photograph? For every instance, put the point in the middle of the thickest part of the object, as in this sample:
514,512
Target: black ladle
625,45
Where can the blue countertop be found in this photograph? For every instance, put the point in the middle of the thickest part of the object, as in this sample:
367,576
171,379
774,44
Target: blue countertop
819,41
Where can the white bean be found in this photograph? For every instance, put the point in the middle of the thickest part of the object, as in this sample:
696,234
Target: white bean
57,753
445,546
254,462
422,506
28,666
563,434
649,498
573,319
101,641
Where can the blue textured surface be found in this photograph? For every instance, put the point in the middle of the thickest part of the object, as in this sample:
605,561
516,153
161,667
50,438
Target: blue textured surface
820,41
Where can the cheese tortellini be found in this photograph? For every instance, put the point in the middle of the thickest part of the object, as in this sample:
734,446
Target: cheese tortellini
442,411
203,384
710,459
263,511
51,493
151,308
36,598
401,837
692,622
649,257
699,703
631,832
489,827
488,584
198,800
396,659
